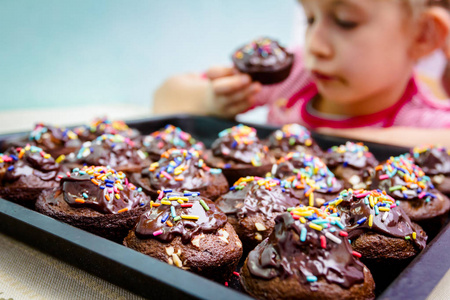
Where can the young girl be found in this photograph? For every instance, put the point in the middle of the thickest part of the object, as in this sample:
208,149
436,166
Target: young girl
354,77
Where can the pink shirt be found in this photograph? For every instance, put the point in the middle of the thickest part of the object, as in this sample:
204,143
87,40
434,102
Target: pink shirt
290,102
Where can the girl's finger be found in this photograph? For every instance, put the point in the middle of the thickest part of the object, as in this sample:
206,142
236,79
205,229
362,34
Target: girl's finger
230,84
220,71
243,95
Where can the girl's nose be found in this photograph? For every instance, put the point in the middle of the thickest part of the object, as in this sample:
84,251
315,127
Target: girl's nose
317,40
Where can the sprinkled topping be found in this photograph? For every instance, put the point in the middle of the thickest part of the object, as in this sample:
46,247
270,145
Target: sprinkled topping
29,162
433,159
102,189
114,150
302,239
361,210
240,144
184,214
295,133
402,179
41,129
351,154
168,138
300,171
262,51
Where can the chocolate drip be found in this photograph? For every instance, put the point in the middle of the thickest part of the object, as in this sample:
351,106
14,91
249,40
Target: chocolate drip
297,166
80,190
284,254
192,173
293,137
353,155
30,166
105,126
401,179
154,223
433,161
110,150
240,145
395,224
167,138
52,138
256,199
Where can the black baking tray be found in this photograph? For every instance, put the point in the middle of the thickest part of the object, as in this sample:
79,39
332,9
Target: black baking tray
153,279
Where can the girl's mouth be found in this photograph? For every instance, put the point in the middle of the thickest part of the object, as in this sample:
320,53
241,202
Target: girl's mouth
322,77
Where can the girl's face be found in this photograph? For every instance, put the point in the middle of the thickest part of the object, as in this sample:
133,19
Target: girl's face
357,49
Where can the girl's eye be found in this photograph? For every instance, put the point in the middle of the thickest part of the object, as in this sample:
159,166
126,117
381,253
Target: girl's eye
346,24
310,20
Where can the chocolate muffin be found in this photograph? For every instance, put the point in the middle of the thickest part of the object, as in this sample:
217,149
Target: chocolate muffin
96,199
264,60
115,151
167,138
54,140
188,231
101,126
251,206
292,138
308,178
181,170
25,173
306,260
380,231
349,162
413,191
239,153
435,162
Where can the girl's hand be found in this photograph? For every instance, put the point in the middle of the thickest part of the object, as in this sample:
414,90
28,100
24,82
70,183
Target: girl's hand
229,92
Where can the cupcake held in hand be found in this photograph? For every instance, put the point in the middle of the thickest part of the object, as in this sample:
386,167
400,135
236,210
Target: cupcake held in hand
264,60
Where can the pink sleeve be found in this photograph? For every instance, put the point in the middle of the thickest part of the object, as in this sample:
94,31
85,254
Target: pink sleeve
424,111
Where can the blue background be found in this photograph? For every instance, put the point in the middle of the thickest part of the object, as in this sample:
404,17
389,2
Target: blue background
71,53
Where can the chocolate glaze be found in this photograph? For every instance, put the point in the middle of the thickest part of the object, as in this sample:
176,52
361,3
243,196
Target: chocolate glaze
283,254
152,221
53,139
353,155
110,150
293,137
239,145
297,166
432,160
396,224
167,138
256,199
194,174
28,169
74,186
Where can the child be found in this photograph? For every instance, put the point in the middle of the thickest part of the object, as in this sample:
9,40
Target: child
354,78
